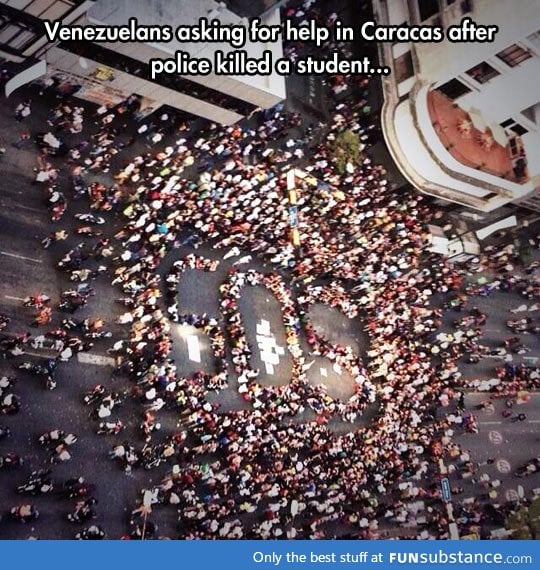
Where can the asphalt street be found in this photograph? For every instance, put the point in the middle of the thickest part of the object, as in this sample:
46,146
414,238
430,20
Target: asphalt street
28,269
502,444
496,439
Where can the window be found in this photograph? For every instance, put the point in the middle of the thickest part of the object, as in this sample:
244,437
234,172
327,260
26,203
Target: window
514,146
514,55
519,129
403,67
427,9
514,126
482,72
454,89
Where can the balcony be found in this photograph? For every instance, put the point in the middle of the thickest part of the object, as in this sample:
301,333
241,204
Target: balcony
469,143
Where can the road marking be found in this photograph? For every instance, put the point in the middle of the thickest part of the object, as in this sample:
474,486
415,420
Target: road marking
490,423
489,410
14,298
269,349
39,354
98,360
193,347
503,466
16,255
495,437
38,210
534,421
9,191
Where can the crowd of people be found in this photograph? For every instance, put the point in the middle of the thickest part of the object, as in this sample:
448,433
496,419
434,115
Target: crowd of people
363,252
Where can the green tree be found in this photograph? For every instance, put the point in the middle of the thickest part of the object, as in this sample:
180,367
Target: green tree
346,148
524,522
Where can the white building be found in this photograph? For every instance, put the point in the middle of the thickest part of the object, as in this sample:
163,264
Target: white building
462,120
108,73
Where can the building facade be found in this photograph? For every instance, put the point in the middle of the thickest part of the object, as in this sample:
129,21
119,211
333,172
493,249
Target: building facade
462,120
107,73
